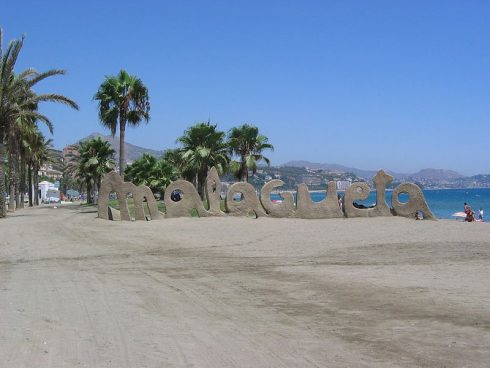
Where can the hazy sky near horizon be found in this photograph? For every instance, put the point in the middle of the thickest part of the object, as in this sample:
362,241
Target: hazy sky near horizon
400,85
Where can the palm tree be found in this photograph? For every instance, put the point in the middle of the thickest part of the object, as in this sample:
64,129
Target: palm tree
7,63
96,159
40,154
246,143
156,174
18,101
122,99
28,132
174,157
203,146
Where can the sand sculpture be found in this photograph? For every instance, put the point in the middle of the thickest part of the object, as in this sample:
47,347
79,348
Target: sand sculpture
113,183
242,200
305,208
360,191
213,192
415,203
247,204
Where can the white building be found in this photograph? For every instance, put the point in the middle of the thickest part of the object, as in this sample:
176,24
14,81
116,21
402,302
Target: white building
343,184
44,186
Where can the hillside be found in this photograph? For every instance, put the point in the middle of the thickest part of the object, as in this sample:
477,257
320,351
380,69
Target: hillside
436,174
366,174
428,178
133,152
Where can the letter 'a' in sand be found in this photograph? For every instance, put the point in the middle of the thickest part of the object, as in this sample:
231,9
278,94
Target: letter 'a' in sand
248,203
416,202
326,208
189,200
282,209
360,191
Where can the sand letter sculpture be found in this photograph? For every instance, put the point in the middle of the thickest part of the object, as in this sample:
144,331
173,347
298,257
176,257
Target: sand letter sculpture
360,191
242,200
113,183
305,208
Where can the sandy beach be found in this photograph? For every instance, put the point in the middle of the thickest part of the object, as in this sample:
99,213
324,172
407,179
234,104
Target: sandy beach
76,291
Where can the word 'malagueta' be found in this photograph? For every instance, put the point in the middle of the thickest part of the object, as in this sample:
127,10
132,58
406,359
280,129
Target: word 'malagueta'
304,207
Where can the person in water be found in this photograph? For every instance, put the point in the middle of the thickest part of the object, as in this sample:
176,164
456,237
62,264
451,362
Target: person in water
480,214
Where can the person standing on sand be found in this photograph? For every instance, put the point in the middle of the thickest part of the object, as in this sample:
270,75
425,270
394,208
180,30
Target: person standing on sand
480,214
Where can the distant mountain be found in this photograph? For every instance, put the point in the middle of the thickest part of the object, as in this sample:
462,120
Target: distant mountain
422,175
133,152
366,174
436,174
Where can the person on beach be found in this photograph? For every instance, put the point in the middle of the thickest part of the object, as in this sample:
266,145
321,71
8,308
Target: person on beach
480,214
470,215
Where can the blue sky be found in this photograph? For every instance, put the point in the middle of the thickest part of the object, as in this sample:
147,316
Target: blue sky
400,85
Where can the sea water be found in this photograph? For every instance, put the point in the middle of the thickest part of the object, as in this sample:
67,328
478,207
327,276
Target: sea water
442,202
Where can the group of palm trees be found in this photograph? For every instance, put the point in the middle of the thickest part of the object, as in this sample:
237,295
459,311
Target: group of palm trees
23,148
122,99
88,163
202,146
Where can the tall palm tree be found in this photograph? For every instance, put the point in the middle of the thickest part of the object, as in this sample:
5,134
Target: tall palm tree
28,131
96,159
18,101
122,99
30,141
7,63
246,143
40,155
203,146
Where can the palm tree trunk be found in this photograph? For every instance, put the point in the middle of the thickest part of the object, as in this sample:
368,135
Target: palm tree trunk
243,169
200,186
122,149
29,174
89,192
13,182
99,183
17,180
22,179
36,185
3,211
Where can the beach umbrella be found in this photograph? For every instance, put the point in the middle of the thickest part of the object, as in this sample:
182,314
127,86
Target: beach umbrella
72,193
459,214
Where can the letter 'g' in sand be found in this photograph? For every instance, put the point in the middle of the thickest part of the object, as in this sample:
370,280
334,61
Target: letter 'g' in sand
282,209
